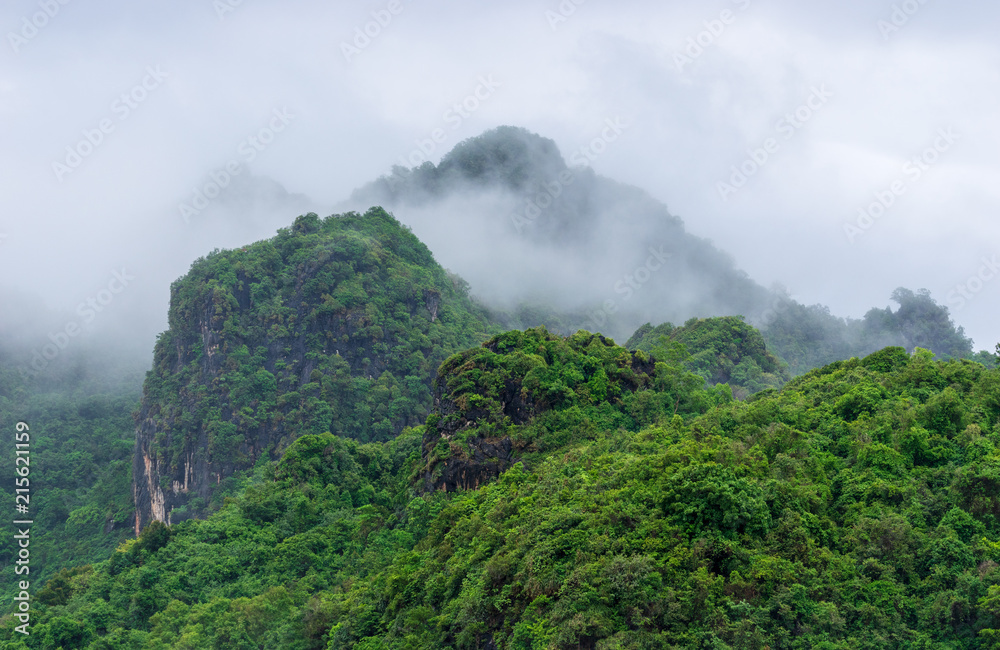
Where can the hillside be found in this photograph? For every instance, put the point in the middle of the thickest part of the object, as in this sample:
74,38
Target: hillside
525,393
855,508
721,350
336,324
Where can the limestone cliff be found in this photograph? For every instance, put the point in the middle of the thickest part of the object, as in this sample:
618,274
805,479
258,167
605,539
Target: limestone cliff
334,325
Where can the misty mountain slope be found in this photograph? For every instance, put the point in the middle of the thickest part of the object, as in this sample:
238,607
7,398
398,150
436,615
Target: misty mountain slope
507,213
543,242
810,337
335,324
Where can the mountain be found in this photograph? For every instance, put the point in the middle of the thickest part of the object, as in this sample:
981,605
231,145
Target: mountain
336,324
534,230
336,447
520,393
809,337
544,242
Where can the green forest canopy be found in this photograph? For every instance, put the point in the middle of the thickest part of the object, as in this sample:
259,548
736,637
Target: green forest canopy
855,508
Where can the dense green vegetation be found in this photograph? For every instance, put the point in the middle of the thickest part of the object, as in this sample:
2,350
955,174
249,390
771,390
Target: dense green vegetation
855,508
335,324
82,437
721,350
526,393
379,479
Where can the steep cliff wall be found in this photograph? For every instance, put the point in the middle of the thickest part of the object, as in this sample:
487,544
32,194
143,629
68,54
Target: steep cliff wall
334,325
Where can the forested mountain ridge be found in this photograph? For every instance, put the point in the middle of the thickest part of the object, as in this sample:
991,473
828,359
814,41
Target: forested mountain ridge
335,324
522,394
856,507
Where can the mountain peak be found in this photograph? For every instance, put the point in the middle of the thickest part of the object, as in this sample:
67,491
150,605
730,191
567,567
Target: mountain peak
509,156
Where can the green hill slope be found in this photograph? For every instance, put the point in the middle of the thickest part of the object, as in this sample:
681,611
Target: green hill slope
722,350
855,508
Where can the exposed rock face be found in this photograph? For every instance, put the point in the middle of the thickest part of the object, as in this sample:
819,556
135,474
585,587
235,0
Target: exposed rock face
159,486
489,458
484,459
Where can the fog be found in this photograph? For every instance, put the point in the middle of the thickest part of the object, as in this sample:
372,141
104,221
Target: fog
840,150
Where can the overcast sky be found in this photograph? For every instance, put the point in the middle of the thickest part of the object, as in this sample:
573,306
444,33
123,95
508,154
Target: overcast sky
114,114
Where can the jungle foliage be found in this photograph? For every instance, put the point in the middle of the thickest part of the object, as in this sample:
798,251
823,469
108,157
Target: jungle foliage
857,507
